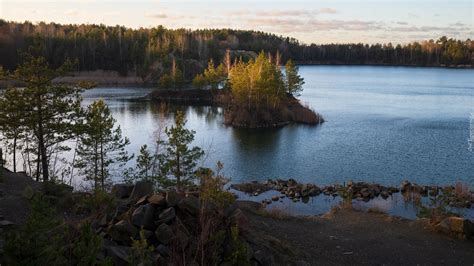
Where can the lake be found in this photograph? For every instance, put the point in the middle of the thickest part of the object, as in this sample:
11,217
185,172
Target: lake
383,125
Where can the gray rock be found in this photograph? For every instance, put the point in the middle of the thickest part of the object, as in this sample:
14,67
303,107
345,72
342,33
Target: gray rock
190,204
122,191
163,250
173,198
123,231
141,189
143,216
119,254
5,223
164,234
167,216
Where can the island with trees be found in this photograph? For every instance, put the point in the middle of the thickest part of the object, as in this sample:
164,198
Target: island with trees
254,93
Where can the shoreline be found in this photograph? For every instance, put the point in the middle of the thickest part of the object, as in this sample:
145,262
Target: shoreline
239,115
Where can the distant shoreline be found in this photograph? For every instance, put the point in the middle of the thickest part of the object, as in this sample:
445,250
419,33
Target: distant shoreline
109,78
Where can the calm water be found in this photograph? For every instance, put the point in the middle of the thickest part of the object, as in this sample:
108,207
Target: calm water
384,125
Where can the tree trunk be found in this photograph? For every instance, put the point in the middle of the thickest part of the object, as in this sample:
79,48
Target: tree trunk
102,167
14,154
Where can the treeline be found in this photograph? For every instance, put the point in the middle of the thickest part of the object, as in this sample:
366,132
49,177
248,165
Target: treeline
149,52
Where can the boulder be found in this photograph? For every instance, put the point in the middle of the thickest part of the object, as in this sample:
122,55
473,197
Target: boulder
143,216
163,250
164,234
240,220
123,231
141,189
119,254
172,198
157,199
167,216
122,191
456,226
190,204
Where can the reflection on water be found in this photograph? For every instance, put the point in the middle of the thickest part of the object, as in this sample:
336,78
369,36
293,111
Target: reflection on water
395,205
384,125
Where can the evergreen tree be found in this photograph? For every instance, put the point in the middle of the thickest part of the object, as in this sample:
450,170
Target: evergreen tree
12,125
294,82
179,160
145,161
50,111
101,145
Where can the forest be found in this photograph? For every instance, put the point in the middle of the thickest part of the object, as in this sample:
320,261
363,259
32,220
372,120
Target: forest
151,52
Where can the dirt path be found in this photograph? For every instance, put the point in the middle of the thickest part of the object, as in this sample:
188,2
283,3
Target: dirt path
351,237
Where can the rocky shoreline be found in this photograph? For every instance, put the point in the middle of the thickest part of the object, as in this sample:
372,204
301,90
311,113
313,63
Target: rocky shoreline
453,196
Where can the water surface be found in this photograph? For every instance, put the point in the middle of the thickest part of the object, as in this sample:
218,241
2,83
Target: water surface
384,125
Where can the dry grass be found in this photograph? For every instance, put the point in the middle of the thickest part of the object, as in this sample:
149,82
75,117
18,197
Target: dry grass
462,191
275,213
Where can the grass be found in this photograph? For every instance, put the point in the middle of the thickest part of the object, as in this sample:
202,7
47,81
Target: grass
275,213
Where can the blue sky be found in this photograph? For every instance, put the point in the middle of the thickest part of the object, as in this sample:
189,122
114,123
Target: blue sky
309,21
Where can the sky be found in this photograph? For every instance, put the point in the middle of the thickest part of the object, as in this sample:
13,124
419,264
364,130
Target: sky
335,21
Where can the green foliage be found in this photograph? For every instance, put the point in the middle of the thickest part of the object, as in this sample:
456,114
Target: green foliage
100,201
173,80
212,188
293,81
142,251
137,50
86,248
45,112
100,145
239,249
257,82
178,159
38,242
199,81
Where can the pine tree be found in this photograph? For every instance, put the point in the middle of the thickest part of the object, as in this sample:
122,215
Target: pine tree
12,122
179,160
50,111
294,82
145,162
101,145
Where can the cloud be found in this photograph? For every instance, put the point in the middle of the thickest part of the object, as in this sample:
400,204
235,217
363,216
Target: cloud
283,13
71,13
327,10
155,15
402,23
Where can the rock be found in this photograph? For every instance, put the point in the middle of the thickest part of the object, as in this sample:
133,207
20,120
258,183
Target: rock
163,250
167,216
119,254
5,223
275,198
28,192
142,188
456,226
143,216
239,219
172,198
122,191
164,234
142,200
384,194
190,204
157,199
123,231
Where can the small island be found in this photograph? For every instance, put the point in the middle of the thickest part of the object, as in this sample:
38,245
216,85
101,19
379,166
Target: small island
254,94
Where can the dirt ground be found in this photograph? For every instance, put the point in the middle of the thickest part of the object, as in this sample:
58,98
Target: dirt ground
349,237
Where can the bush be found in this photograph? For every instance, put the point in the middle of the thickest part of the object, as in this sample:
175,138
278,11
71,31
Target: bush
38,242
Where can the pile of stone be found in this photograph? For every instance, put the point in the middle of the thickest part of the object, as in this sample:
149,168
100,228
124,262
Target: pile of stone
170,222
359,190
